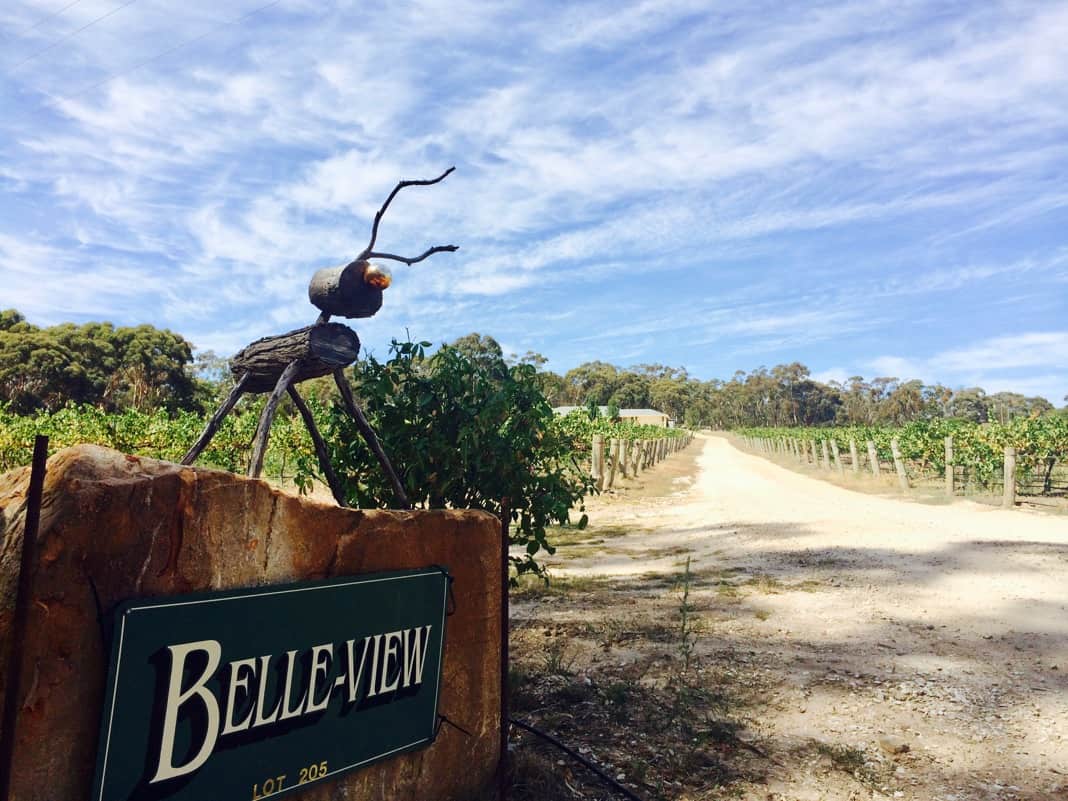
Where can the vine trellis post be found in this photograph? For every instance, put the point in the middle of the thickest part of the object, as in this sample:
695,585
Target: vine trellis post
276,364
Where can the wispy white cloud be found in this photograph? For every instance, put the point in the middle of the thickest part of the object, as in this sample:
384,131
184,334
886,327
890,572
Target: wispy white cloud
832,374
709,184
1038,349
1029,363
54,279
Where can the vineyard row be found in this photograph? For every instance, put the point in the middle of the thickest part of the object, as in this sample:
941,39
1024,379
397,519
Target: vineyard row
1019,458
631,448
627,458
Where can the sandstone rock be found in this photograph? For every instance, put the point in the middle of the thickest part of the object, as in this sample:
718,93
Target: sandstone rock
136,527
892,744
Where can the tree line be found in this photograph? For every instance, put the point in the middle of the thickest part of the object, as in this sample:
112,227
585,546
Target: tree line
784,395
114,368
145,368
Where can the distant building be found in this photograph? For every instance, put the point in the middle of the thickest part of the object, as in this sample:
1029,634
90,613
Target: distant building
645,417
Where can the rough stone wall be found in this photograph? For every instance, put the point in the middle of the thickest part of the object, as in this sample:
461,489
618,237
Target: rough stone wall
137,527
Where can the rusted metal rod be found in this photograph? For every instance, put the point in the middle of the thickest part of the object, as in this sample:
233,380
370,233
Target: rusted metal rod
594,767
13,690
502,757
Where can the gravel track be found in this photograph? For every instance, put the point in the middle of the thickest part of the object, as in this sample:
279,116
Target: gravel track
870,625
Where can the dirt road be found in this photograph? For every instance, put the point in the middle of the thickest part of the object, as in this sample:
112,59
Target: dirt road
892,648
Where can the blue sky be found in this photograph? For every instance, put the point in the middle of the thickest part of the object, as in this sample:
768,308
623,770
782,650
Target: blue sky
874,188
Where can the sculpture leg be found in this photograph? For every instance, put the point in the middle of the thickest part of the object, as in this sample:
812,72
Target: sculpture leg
263,430
216,420
371,438
320,446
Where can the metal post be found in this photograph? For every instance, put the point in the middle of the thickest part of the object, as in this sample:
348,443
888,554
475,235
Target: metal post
502,758
13,694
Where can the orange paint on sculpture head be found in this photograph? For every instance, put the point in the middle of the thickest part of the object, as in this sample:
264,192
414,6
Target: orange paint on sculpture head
377,275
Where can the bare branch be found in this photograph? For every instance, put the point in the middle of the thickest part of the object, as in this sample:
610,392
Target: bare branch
430,252
381,212
320,446
370,437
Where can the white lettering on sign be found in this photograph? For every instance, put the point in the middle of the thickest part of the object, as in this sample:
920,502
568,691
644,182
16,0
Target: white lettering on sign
396,660
176,698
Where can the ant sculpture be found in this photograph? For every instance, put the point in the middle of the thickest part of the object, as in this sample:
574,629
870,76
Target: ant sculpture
277,364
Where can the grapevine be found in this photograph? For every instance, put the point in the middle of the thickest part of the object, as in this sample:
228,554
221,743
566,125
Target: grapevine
1041,445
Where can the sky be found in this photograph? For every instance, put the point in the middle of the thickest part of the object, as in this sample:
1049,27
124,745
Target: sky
870,188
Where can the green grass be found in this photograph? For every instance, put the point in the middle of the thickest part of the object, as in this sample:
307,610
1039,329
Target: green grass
565,536
532,588
766,584
727,591
557,659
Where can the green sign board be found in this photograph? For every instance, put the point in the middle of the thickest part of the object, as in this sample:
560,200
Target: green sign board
246,694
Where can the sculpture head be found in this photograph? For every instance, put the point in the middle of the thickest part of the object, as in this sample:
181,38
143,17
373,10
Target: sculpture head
353,290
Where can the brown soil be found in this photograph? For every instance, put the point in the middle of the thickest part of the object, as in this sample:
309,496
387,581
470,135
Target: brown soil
822,644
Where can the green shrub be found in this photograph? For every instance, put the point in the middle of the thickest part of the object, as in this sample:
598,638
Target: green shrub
460,436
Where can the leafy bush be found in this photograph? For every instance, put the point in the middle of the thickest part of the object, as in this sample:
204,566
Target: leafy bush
462,433
462,436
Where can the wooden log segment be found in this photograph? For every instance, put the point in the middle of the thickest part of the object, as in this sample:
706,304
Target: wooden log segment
352,290
597,461
950,489
1008,498
613,462
318,350
837,457
899,466
873,458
